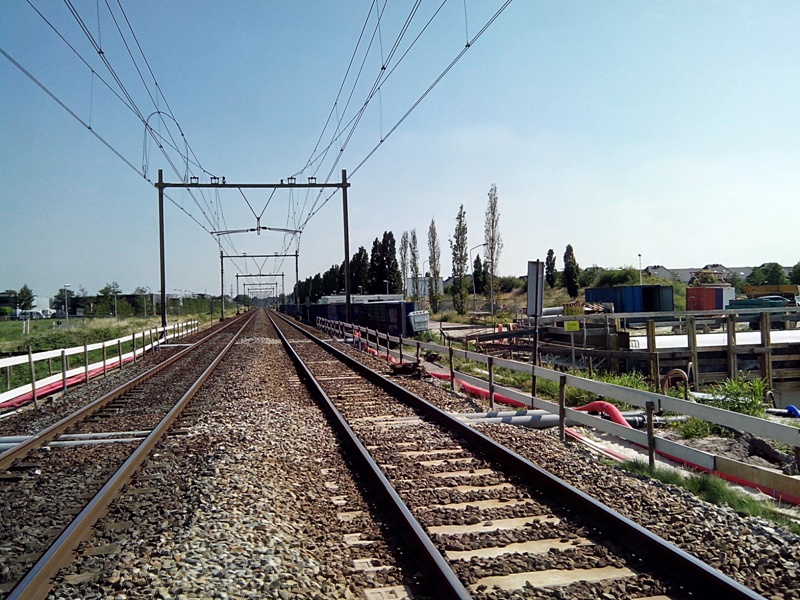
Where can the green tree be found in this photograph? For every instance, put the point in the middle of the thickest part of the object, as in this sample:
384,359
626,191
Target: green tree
736,282
389,252
413,249
571,272
459,251
478,276
794,274
106,298
59,299
404,243
359,271
590,276
25,297
434,262
494,242
550,272
376,270
770,273
383,266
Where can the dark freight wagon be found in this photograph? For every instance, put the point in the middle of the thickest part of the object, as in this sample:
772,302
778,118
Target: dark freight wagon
387,317
634,298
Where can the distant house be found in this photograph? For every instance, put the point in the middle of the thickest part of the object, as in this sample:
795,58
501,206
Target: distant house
687,275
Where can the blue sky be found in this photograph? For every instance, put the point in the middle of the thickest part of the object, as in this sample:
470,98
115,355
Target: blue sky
666,129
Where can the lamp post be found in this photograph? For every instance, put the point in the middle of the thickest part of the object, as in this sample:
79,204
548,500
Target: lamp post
66,303
472,269
386,281
427,282
641,280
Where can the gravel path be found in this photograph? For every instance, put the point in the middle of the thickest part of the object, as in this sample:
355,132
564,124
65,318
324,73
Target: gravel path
255,502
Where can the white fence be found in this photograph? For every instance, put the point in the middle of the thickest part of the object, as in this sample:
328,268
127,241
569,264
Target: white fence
141,342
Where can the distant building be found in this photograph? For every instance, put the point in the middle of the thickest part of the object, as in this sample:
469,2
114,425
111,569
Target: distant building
422,282
8,298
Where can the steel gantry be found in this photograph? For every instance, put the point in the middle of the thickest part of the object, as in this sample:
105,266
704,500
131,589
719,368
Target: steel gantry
275,255
194,182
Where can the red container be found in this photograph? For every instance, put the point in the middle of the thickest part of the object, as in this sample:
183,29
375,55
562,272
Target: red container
702,298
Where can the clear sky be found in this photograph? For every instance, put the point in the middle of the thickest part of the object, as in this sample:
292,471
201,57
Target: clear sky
668,129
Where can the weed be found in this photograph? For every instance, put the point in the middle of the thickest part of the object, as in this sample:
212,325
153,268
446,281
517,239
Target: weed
713,490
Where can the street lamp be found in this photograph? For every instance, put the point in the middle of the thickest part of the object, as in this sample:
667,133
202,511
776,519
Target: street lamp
66,305
640,270
386,281
472,269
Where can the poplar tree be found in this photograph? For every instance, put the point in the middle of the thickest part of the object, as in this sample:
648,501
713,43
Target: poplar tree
494,242
413,249
434,260
550,268
571,272
478,283
404,260
460,254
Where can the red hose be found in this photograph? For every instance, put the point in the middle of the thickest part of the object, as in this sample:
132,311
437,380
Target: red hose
606,408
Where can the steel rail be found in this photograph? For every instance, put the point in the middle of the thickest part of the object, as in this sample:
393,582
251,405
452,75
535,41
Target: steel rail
53,431
448,584
39,580
643,543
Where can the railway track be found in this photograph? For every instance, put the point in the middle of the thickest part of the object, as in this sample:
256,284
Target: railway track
485,522
55,484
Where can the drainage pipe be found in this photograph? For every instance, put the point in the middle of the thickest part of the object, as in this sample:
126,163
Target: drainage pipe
789,411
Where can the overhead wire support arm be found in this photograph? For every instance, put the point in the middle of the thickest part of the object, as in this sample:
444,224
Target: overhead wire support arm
250,185
290,183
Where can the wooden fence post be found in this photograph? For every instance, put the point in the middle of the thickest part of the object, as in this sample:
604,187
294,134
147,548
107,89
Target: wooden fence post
730,326
691,335
766,342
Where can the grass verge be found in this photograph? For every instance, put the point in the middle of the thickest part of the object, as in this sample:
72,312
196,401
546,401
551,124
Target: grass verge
715,491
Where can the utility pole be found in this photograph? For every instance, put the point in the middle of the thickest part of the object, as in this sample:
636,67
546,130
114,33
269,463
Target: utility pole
221,285
160,186
348,307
